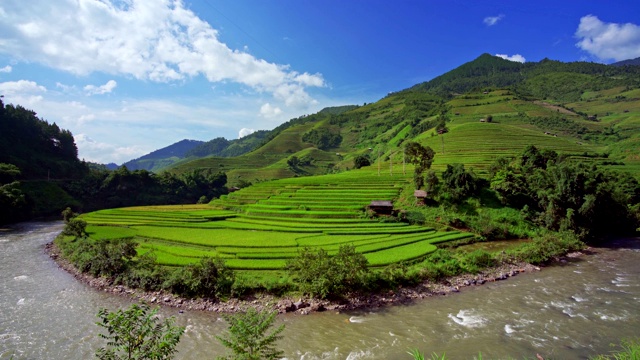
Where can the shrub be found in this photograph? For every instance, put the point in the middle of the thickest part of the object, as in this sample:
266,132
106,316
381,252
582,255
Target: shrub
75,227
547,246
138,333
108,257
210,278
247,336
323,276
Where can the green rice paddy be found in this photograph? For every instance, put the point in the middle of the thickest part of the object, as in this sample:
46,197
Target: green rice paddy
261,227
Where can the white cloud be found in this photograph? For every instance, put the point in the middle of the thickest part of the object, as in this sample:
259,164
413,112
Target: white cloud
93,150
244,132
21,87
269,111
516,57
608,40
6,69
156,40
492,20
102,89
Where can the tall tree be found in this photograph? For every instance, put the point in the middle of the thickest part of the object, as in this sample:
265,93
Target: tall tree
421,157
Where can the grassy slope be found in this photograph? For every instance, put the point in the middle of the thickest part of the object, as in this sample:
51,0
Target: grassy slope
381,129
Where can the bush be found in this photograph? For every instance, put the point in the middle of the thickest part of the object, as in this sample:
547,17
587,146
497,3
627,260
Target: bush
138,333
109,257
361,160
323,276
547,246
248,338
75,227
210,278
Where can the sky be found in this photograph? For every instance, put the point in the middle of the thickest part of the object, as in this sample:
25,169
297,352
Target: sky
127,77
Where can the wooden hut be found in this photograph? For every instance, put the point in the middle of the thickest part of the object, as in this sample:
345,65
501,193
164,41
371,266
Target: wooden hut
420,195
381,207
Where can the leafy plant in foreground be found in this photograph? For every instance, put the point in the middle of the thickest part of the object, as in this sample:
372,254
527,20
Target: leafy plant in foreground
137,333
248,337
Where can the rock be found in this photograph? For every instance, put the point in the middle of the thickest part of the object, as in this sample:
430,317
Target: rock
318,307
153,299
466,283
288,306
481,281
300,304
455,289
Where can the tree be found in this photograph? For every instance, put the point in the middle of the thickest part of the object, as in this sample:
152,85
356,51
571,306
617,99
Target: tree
75,227
421,157
293,162
361,160
431,183
137,333
12,199
249,337
458,183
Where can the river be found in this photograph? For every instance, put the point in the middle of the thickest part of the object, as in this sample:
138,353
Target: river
570,311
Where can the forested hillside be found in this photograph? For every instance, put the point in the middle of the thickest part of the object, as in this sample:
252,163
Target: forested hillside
40,174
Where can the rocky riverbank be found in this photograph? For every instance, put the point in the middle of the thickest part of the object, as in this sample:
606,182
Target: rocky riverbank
404,295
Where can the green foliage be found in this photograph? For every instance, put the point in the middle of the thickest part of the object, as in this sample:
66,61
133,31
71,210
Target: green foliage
457,183
137,333
249,336
323,138
421,157
569,196
75,227
68,214
547,246
12,199
630,350
325,276
108,257
211,278
362,160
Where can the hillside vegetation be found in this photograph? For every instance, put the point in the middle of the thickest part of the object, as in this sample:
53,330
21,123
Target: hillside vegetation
487,108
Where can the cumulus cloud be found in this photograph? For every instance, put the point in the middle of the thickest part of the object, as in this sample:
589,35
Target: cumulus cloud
102,89
6,69
155,40
608,40
516,57
492,20
269,111
21,87
93,149
244,132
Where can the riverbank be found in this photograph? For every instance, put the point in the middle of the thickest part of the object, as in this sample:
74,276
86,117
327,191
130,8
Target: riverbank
305,305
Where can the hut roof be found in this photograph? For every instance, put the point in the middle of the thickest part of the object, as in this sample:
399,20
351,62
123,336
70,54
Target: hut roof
420,194
381,203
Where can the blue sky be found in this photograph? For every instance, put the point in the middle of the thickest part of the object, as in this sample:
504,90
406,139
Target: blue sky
130,76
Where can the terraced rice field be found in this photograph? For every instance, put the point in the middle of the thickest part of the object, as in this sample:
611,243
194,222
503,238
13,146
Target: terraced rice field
261,227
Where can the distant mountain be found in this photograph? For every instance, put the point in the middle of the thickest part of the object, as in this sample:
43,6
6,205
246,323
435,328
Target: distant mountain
229,148
635,61
111,166
162,157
